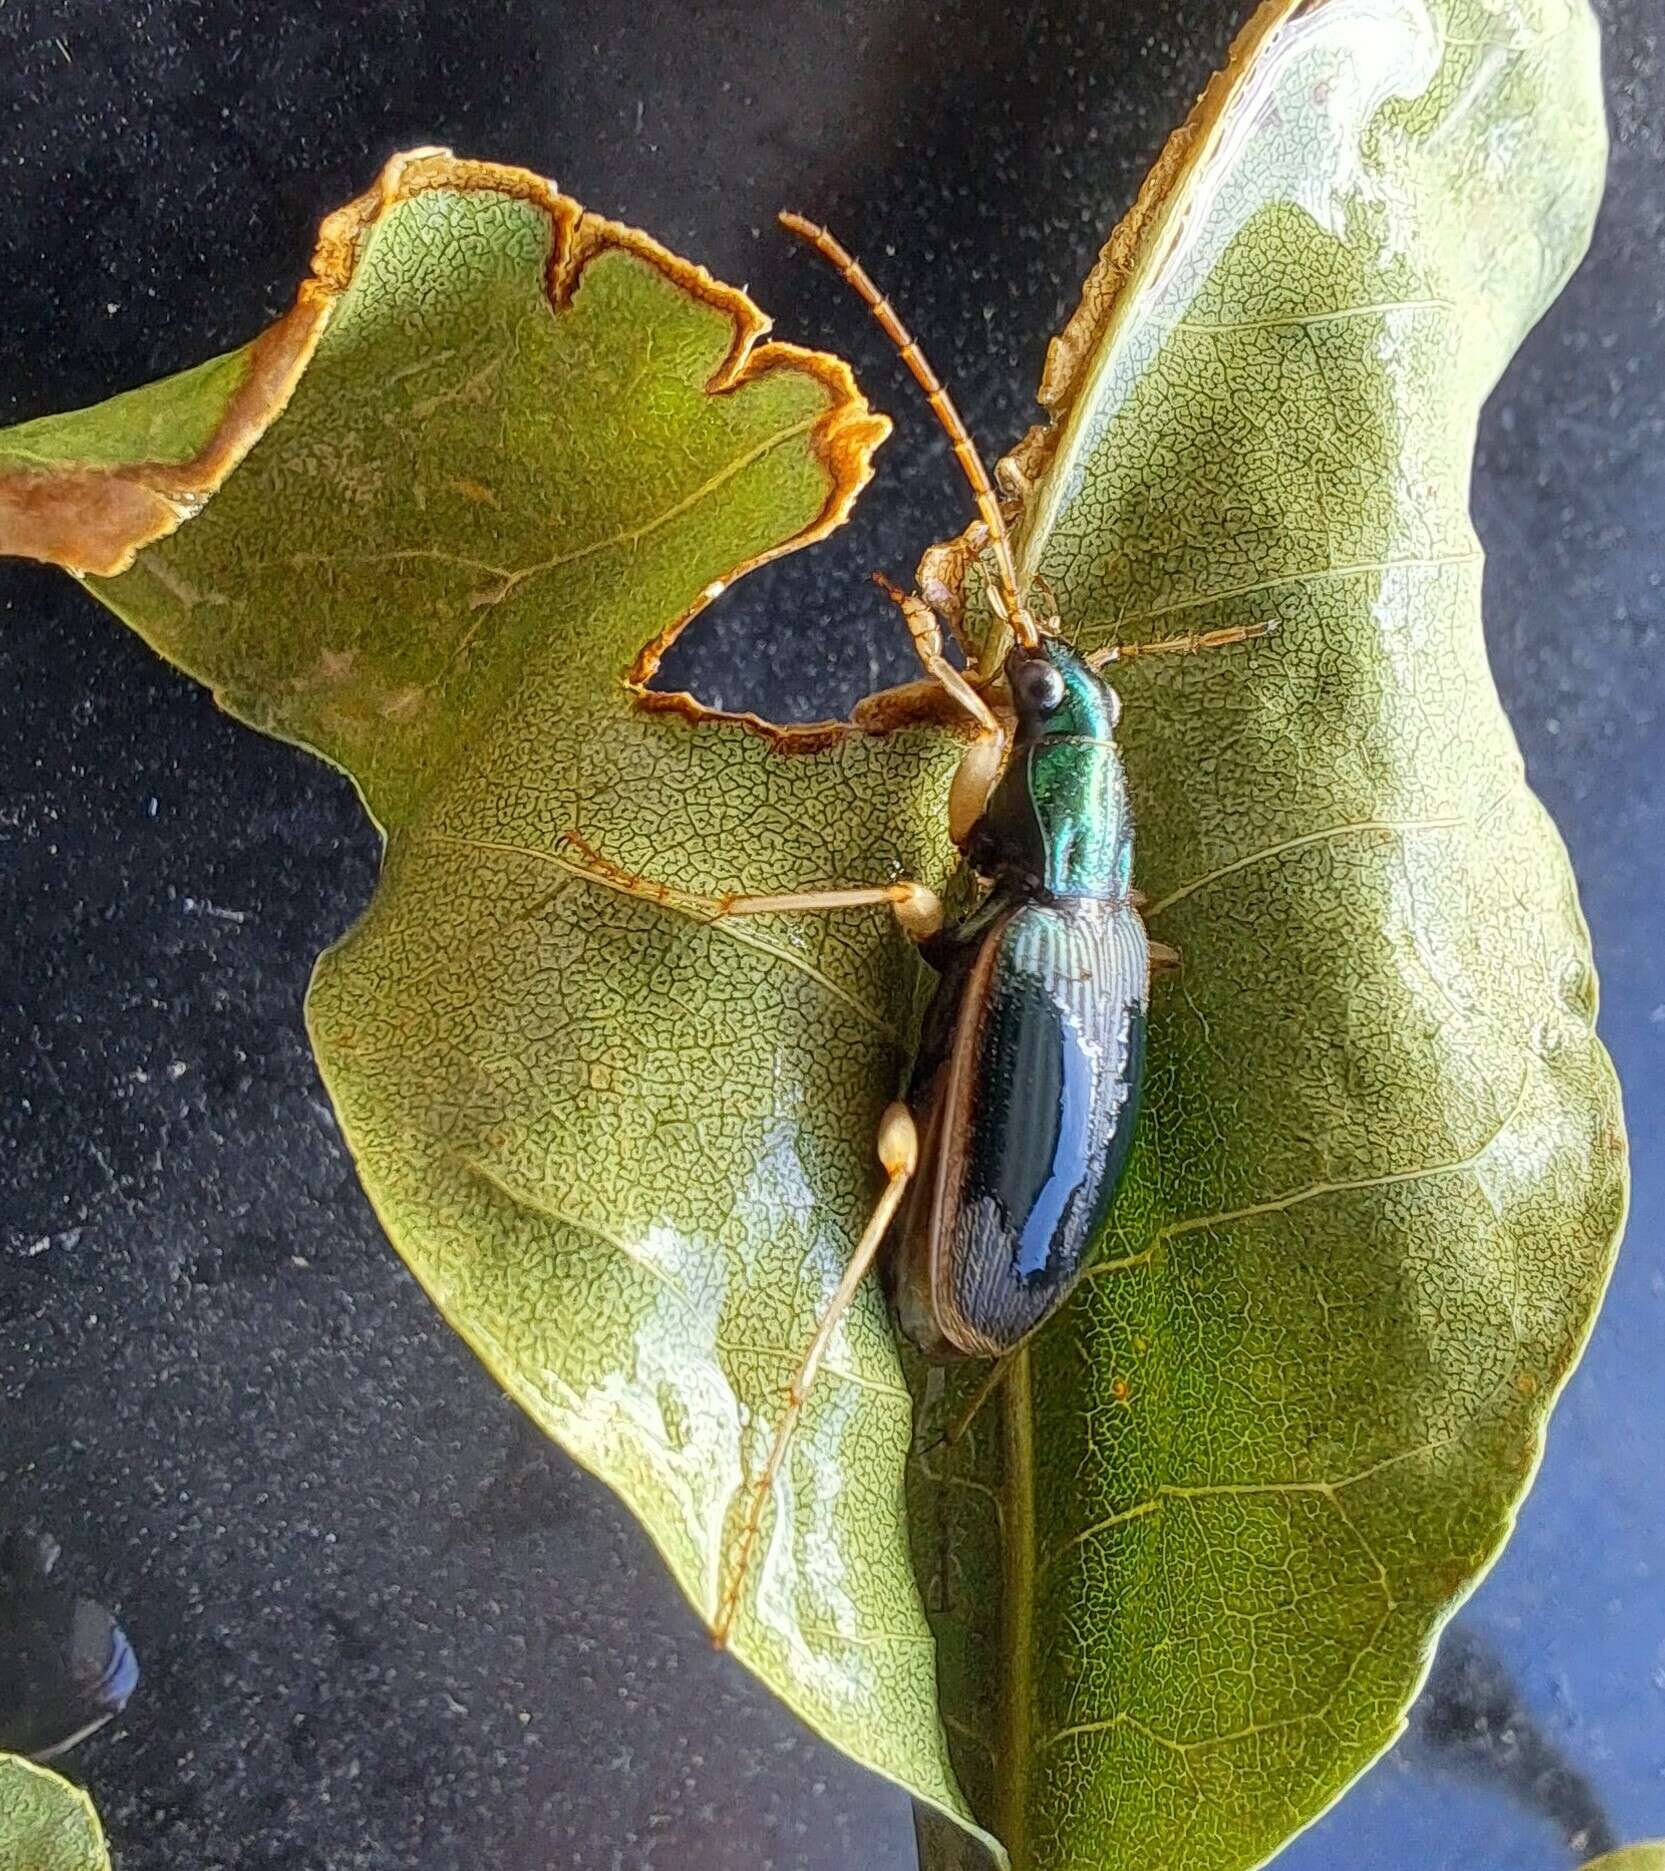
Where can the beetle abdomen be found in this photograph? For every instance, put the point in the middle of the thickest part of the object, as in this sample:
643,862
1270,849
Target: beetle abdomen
1026,1122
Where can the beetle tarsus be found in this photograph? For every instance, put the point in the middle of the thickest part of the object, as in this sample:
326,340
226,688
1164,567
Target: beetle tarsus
1187,645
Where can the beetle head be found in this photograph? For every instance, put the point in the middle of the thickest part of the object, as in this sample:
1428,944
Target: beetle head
1057,696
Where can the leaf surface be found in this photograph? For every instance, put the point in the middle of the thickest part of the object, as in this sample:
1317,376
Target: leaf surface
45,1823
1649,1855
1187,1565
623,1147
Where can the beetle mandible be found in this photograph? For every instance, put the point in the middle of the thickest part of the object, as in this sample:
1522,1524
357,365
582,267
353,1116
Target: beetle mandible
1001,1161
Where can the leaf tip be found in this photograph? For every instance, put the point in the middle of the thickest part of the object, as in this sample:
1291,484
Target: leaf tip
93,516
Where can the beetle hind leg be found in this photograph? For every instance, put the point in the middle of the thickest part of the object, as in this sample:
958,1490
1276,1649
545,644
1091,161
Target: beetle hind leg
898,1145
960,1427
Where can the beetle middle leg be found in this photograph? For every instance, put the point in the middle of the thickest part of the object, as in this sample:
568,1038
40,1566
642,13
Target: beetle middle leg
915,906
898,1146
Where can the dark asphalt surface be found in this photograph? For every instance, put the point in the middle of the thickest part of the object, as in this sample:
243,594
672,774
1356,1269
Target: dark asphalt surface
382,1624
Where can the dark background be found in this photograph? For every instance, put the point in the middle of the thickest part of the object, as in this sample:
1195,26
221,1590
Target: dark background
382,1624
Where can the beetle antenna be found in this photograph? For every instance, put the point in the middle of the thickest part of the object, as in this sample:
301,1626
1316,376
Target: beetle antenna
1011,606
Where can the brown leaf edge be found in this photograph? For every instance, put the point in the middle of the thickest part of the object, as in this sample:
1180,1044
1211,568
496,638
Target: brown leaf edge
92,519
1134,240
1068,354
96,519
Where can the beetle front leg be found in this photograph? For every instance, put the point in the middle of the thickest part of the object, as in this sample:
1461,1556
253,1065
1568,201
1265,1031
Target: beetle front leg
980,766
1164,960
926,633
898,1146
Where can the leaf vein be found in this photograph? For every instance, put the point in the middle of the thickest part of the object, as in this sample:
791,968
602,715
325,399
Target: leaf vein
1303,320
1314,574
1231,1490
1348,1185
1362,828
580,1224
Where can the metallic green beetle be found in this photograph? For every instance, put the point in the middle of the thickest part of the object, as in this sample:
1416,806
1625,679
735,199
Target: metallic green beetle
1025,1086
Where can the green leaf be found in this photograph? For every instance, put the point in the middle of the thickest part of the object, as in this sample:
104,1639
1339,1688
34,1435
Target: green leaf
1186,1568
45,1823
1185,1572
625,1149
1649,1855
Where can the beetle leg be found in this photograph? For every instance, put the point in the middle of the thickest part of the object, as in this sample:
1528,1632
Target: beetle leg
1188,645
926,633
992,1380
980,765
1164,960
916,907
899,1153
1014,486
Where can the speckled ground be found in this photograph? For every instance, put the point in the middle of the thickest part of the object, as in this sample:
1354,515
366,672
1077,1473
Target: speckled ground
382,1624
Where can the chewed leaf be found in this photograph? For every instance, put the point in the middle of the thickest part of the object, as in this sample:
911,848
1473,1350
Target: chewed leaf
1187,1567
624,1147
45,1823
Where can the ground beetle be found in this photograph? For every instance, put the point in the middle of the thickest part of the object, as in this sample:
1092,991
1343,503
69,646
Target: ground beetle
1019,1114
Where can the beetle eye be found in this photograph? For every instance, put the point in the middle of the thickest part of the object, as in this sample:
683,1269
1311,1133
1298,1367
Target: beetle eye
1037,687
